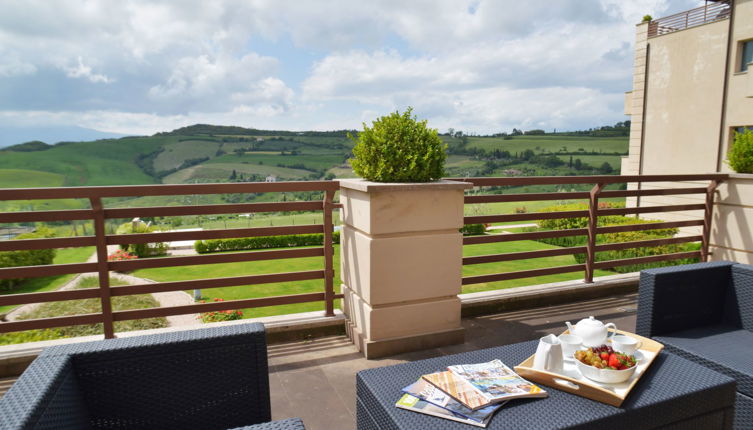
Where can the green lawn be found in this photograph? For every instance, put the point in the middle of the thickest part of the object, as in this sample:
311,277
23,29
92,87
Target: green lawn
50,283
314,263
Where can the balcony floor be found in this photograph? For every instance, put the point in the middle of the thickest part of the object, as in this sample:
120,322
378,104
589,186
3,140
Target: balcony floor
315,380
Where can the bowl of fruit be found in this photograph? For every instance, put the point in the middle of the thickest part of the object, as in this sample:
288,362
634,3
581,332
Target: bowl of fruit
603,364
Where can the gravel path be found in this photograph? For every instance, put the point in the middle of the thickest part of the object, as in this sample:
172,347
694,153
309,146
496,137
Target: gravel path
170,298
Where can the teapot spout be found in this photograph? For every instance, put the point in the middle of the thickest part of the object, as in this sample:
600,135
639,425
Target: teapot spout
570,327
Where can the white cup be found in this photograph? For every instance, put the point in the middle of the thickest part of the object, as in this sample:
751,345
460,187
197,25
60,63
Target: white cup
548,354
625,344
570,344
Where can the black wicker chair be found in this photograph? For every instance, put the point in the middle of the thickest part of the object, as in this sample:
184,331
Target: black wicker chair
704,312
209,378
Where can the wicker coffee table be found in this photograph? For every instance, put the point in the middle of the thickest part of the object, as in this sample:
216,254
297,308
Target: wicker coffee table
673,392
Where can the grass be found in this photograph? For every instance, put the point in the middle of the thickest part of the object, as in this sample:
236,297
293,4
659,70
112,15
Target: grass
50,283
309,161
170,274
210,172
86,306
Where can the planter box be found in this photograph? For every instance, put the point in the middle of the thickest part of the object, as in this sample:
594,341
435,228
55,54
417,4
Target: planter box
401,256
732,229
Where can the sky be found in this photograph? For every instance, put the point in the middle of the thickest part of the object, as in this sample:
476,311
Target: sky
482,66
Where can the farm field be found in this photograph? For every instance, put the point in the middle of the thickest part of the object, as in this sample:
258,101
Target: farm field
552,143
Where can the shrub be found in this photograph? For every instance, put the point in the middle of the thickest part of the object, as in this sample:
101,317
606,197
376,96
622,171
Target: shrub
740,155
31,257
263,242
121,255
473,229
629,236
399,148
647,18
217,316
141,250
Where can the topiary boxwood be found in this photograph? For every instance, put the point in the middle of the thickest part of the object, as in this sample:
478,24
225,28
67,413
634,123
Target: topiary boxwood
740,156
399,148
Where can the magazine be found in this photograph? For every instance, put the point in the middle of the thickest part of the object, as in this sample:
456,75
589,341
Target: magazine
415,404
483,384
429,393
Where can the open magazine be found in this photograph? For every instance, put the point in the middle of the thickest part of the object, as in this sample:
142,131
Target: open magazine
483,384
450,408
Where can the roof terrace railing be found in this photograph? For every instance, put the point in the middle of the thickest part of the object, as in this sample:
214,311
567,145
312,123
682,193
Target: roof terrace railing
593,228
98,214
710,12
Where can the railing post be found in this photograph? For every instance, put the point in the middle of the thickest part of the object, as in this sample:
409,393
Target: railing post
707,218
102,269
329,272
593,207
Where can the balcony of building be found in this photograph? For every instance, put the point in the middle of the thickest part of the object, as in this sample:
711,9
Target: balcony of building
505,294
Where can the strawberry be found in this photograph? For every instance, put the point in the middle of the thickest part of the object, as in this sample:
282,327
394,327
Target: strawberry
613,361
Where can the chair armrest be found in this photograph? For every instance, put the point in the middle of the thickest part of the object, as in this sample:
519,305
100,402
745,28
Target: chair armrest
682,297
742,281
287,424
46,395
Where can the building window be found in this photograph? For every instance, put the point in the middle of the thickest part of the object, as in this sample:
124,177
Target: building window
747,55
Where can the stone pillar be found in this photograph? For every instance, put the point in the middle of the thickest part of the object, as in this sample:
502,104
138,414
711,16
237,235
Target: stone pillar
732,225
401,256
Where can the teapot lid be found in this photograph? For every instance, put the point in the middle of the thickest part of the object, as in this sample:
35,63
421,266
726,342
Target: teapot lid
591,321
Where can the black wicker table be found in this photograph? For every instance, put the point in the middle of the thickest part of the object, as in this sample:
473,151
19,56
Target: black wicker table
673,393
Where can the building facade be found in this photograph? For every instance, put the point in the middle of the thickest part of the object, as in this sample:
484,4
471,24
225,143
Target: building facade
692,89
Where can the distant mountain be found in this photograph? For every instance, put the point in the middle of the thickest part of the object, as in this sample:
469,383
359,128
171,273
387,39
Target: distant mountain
13,135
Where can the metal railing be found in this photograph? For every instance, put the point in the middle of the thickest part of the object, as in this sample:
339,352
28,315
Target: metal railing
710,12
592,213
98,214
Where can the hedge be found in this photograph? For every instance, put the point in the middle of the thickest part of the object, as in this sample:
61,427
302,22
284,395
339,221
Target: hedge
473,229
32,257
630,236
262,242
141,250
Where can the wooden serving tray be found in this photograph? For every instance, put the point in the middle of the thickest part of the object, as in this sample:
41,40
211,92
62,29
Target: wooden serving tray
573,382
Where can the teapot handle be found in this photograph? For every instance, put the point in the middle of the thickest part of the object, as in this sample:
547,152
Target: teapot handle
614,330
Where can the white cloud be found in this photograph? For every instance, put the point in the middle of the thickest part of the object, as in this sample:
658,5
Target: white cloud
83,71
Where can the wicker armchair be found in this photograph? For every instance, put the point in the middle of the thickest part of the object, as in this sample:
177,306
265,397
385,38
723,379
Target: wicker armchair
211,378
704,312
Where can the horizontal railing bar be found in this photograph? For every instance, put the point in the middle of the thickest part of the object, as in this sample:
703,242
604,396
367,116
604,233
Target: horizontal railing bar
163,190
510,256
216,306
215,283
522,274
534,235
482,219
47,243
213,234
40,323
659,192
42,216
527,197
47,270
647,243
236,257
338,296
153,211
48,296
647,226
650,209
649,259
602,179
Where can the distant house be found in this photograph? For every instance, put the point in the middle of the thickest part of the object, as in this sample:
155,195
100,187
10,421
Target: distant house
512,172
271,178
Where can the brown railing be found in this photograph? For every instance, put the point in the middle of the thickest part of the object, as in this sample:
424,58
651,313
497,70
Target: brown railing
592,213
710,12
98,214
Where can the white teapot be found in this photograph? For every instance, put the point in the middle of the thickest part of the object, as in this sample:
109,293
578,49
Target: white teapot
592,331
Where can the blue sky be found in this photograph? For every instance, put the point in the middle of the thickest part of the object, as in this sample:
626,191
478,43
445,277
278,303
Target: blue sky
139,67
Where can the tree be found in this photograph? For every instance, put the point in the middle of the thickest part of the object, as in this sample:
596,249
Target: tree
578,164
233,176
606,168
